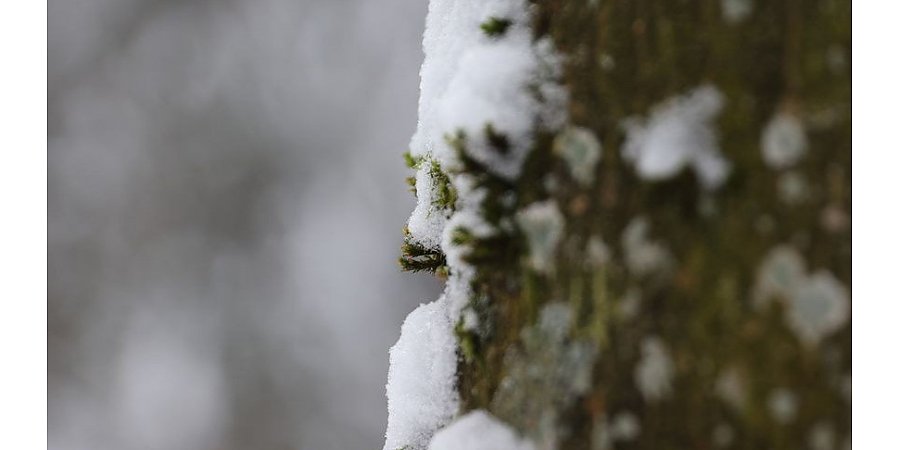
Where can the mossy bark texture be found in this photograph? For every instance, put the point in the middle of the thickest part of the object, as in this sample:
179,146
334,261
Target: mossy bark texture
698,318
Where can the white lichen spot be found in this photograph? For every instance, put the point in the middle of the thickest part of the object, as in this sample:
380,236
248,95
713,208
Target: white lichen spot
542,224
545,375
730,387
679,133
607,62
782,270
555,320
793,188
735,11
551,183
723,435
421,388
624,427
478,430
816,305
643,256
598,252
653,373
581,151
783,141
782,405
821,437
819,307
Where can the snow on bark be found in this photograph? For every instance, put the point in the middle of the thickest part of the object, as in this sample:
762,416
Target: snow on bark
479,430
679,134
484,80
471,79
420,389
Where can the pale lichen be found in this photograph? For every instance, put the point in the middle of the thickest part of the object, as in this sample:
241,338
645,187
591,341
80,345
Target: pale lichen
544,375
581,151
643,256
653,373
542,224
819,307
783,140
736,11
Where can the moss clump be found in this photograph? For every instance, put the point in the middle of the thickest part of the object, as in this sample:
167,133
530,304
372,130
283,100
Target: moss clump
495,26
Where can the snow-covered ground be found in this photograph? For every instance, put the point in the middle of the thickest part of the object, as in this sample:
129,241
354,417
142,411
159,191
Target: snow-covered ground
225,204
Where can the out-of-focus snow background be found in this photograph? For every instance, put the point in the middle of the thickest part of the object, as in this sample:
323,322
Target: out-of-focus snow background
226,200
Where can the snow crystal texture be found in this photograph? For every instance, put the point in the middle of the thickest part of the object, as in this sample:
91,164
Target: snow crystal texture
421,382
470,79
479,430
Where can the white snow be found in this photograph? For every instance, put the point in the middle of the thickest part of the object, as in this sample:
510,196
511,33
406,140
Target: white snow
458,290
679,133
427,221
421,382
470,80
783,141
479,430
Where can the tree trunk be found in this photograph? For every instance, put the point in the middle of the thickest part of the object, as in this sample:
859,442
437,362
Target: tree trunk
670,268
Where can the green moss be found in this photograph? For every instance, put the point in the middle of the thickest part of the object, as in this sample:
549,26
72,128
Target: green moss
495,26
416,258
445,194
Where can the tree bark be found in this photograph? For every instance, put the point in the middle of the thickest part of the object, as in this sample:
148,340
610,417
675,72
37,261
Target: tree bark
692,316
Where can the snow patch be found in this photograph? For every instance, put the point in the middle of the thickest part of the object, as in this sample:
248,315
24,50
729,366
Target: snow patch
427,220
489,87
679,134
469,80
421,388
479,430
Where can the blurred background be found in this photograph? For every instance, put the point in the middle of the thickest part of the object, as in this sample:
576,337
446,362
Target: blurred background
226,201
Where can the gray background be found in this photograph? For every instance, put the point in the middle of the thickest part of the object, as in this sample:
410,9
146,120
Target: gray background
226,200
